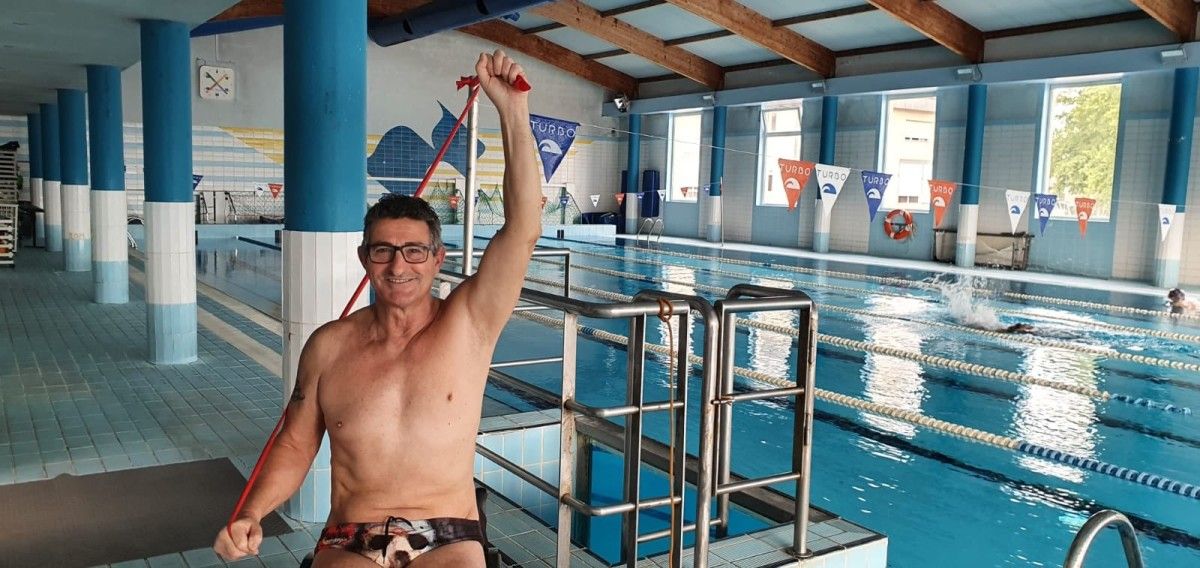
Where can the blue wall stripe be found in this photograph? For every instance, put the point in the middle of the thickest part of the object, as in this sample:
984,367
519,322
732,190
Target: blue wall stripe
172,331
73,136
51,156
33,125
633,155
104,123
167,110
325,116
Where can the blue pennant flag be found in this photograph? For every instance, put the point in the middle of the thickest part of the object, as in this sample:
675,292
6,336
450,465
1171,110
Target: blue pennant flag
554,138
874,186
1045,206
196,180
564,200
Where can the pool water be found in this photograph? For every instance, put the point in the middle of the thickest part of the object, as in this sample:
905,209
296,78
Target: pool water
942,501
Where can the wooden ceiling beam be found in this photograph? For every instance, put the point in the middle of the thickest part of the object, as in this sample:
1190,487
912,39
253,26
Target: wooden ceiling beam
514,38
494,31
938,24
1179,16
580,16
758,29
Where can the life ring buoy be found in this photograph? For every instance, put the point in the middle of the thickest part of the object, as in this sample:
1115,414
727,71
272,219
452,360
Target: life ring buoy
895,230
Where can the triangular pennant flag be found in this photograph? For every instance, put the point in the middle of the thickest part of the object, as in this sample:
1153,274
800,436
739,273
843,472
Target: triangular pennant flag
1045,206
662,194
1166,216
595,200
544,199
874,186
196,180
454,201
554,137
795,174
1017,201
260,189
830,179
1083,211
940,193
684,190
620,197
275,189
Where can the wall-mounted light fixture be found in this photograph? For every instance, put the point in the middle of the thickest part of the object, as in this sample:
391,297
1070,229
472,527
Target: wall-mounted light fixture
622,103
818,86
972,73
1170,56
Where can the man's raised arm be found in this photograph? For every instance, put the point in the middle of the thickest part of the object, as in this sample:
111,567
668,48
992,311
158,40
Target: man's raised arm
491,294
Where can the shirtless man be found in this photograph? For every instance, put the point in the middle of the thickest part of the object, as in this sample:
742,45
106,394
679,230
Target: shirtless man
398,385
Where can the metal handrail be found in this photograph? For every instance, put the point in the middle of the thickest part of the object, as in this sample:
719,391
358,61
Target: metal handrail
1091,529
751,298
661,225
648,225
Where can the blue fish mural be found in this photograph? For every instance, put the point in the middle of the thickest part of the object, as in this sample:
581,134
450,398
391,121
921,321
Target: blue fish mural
402,153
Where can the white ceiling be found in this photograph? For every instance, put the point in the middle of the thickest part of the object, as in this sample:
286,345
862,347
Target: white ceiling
45,44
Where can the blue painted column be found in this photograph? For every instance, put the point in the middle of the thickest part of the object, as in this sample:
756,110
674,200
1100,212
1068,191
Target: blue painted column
968,194
829,113
1175,183
110,251
716,174
633,174
324,112
169,210
51,178
36,197
76,207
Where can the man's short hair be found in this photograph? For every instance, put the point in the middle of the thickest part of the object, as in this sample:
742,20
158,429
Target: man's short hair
1175,295
399,206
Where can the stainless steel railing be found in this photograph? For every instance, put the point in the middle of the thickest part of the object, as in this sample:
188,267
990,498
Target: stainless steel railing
713,475
647,228
1091,529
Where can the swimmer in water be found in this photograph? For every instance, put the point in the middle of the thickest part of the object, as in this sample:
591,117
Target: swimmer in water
1180,304
1018,328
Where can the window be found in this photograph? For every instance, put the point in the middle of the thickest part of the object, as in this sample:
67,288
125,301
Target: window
683,170
780,139
908,152
1081,146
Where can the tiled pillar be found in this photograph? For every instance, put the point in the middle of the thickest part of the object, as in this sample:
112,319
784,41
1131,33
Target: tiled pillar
110,251
76,207
169,210
716,173
968,196
325,80
51,178
36,198
632,174
1175,183
821,214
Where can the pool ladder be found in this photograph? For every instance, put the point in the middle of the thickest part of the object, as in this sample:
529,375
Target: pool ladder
1088,532
647,227
713,479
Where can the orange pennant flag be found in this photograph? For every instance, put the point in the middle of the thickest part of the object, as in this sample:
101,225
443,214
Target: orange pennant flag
683,190
544,202
620,199
1083,210
940,192
795,174
275,189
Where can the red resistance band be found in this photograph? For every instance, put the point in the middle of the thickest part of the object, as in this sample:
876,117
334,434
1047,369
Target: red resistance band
473,82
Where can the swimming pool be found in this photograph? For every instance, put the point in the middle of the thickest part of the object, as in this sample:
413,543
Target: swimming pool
943,501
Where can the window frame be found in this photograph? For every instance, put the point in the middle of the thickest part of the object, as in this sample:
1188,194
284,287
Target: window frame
671,189
763,136
923,204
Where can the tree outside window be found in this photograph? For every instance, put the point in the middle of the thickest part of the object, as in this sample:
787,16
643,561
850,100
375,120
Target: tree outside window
1081,143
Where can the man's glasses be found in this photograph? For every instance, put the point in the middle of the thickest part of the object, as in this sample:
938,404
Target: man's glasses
384,253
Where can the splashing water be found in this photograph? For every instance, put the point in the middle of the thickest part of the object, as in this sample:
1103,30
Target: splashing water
963,305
